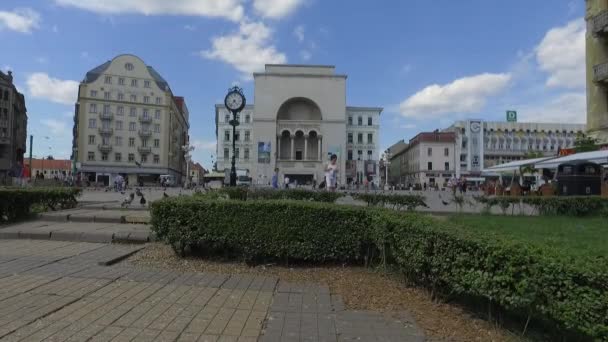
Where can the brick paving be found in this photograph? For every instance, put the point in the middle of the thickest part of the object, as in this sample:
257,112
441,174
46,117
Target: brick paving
59,291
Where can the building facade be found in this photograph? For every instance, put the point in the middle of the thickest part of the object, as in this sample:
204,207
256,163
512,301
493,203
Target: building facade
429,159
596,43
13,128
299,118
55,168
397,163
128,122
197,173
482,144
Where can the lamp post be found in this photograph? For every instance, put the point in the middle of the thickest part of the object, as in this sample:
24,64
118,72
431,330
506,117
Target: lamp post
188,157
387,163
235,102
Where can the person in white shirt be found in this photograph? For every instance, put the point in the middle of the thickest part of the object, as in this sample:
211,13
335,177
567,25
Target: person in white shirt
331,173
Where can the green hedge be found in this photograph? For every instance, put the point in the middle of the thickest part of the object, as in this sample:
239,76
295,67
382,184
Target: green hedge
449,259
398,202
264,229
243,194
551,205
17,203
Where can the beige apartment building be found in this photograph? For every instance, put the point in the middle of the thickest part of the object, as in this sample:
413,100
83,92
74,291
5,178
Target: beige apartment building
13,126
128,122
596,16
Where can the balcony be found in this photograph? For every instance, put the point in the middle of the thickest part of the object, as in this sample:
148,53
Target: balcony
145,119
106,131
106,116
145,133
599,24
144,149
104,148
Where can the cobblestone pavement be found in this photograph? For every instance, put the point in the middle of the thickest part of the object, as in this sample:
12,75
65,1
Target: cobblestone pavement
57,291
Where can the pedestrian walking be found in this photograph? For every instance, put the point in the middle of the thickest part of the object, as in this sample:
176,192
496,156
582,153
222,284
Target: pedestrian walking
331,173
275,179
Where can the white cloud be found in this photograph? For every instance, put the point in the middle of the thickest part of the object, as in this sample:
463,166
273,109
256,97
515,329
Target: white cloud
561,54
68,115
228,9
408,126
57,128
60,91
246,50
305,55
565,108
201,145
464,95
22,20
275,8
6,68
299,33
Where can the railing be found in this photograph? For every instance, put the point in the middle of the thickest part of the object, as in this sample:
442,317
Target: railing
145,119
145,133
144,149
600,23
106,131
106,116
105,148
600,72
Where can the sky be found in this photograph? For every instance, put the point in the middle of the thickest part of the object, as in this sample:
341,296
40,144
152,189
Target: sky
427,63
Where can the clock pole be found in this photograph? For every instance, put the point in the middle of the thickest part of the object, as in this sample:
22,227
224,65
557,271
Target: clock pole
234,102
233,168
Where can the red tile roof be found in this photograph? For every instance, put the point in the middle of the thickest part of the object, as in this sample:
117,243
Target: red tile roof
58,164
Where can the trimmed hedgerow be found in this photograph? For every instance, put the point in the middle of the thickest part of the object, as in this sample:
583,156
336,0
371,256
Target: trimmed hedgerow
16,204
552,205
398,202
243,194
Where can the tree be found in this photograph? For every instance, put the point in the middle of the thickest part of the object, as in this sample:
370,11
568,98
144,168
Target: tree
584,143
50,158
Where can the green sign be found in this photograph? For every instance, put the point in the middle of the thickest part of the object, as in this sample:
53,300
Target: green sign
511,116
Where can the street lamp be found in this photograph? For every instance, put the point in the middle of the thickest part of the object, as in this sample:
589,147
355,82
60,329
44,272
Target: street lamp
235,102
188,157
387,163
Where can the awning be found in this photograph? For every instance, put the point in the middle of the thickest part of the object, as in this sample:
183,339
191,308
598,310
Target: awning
516,165
599,157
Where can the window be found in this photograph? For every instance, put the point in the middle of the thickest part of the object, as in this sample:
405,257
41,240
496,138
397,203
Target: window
227,135
119,125
93,108
227,118
132,126
129,66
359,154
121,81
133,111
350,155
146,84
369,120
156,159
360,121
156,128
429,166
157,114
120,110
118,140
133,98
237,136
370,137
121,97
144,158
93,93
146,99
246,154
463,158
117,157
131,142
446,152
144,142
350,120
360,138
92,123
104,157
369,154
106,109
106,95
447,166
158,100
91,140
247,118
247,135
226,153
298,154
237,153
131,157
145,113
350,138
133,83
108,80
157,143
105,124
91,156
429,151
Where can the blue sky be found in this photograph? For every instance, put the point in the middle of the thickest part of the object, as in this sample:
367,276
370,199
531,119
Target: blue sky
427,63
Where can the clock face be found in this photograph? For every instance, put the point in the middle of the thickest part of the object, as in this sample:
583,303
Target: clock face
234,101
475,127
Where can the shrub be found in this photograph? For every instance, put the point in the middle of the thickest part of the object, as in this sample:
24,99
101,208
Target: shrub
17,203
398,202
563,205
264,229
243,194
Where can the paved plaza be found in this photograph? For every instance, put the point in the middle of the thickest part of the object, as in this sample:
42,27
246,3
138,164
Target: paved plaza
62,291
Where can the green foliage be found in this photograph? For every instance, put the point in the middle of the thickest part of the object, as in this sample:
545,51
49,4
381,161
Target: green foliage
243,194
17,203
584,143
551,205
398,202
